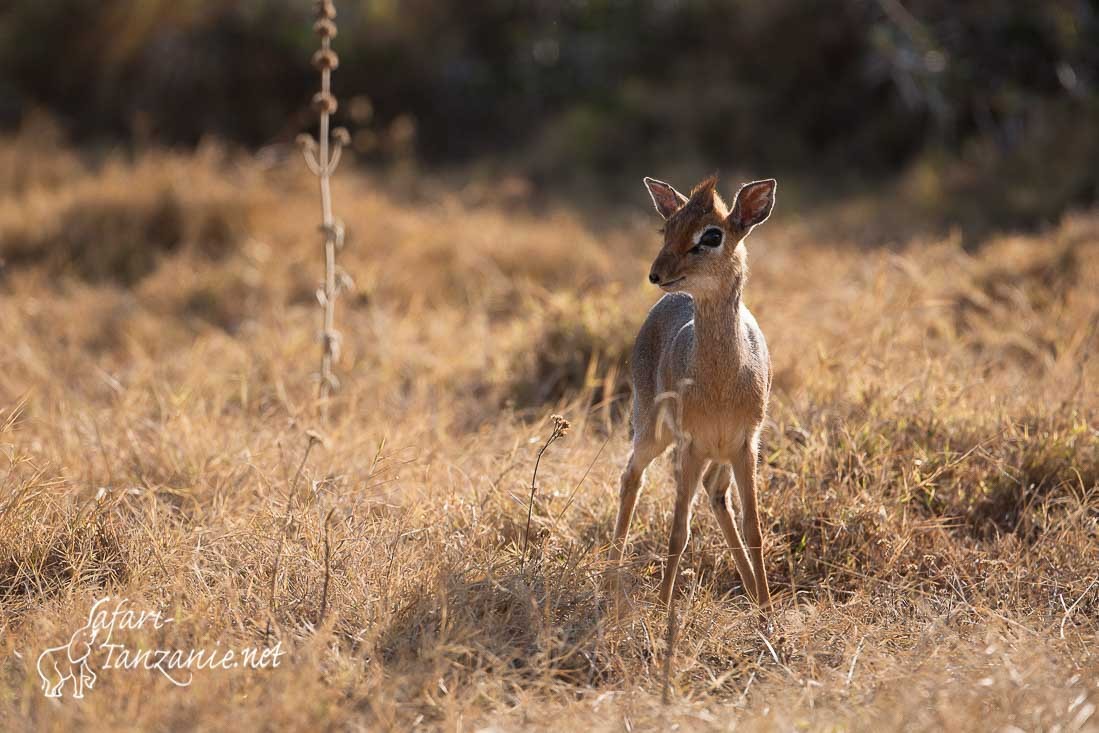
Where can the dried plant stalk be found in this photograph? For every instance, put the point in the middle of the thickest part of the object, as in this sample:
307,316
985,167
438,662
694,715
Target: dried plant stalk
560,430
287,521
327,566
323,156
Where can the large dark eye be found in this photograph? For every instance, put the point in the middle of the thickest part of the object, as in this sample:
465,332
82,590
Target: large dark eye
711,238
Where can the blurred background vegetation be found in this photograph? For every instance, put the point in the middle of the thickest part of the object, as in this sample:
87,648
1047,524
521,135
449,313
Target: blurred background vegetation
980,114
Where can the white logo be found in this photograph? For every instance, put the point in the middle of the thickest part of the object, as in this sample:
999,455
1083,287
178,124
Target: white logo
76,661
60,664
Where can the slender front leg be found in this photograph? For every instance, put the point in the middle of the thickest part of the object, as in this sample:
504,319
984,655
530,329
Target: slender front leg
717,481
744,466
629,488
688,473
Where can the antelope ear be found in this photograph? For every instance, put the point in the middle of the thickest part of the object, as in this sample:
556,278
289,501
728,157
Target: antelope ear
665,198
753,205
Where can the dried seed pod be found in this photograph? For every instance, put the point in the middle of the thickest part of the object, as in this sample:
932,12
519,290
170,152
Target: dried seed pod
325,28
560,426
316,436
332,341
341,136
324,9
323,102
326,59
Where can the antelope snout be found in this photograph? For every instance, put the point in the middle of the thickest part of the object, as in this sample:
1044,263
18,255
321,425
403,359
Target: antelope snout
662,269
661,276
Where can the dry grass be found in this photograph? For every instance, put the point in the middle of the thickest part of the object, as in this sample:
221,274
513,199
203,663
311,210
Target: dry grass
930,494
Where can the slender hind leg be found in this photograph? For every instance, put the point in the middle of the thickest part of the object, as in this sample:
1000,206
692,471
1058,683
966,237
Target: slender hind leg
688,473
744,466
716,481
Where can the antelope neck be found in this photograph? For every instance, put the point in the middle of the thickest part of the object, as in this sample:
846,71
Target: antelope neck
717,334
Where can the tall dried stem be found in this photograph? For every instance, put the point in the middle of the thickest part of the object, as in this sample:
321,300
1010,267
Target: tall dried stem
323,156
287,521
560,430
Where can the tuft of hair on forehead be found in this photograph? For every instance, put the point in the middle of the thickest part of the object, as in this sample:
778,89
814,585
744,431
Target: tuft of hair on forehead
703,199
705,188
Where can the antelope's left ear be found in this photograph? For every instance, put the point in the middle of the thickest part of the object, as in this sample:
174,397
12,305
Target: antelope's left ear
753,205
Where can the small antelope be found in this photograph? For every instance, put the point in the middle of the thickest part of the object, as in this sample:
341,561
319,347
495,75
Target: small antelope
701,374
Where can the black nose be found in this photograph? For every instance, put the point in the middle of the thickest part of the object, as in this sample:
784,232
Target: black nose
654,278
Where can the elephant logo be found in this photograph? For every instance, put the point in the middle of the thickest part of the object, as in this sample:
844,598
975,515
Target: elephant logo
60,664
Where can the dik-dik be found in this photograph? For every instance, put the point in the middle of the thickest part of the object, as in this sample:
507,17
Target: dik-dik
701,374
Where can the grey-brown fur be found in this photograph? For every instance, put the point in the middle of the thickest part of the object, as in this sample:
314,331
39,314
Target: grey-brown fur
702,374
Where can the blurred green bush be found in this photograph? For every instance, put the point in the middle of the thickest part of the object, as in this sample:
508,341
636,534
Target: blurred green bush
850,88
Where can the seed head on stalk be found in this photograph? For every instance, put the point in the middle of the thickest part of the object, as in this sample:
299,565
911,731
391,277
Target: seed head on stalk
323,156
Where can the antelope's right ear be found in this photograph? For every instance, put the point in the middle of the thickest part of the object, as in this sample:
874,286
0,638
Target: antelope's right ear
665,198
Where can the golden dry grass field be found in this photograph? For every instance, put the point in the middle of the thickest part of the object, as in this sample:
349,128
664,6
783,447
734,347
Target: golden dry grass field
930,470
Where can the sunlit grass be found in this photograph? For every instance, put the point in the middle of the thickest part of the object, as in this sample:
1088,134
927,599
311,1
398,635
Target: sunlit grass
930,488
